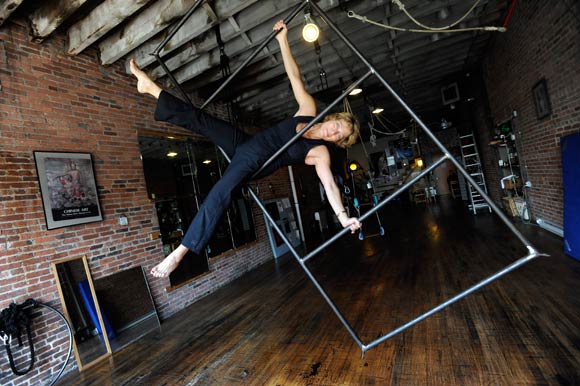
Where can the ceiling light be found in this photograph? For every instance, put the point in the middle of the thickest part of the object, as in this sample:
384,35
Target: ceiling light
207,161
171,154
355,91
310,30
378,110
353,166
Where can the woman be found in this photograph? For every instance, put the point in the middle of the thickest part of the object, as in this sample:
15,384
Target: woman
249,153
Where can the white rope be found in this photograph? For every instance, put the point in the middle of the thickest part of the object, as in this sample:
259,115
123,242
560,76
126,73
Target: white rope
346,107
401,6
386,127
426,29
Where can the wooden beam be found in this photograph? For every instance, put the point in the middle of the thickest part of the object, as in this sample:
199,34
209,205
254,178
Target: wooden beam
46,18
101,20
192,29
6,9
248,20
302,52
237,28
148,24
139,35
206,45
211,12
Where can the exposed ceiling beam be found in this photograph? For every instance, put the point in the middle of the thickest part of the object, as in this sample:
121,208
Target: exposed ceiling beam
153,20
99,21
198,23
237,35
6,9
45,19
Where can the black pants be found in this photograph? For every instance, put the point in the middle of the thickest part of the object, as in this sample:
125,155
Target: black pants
240,170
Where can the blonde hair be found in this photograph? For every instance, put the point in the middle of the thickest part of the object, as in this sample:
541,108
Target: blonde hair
351,120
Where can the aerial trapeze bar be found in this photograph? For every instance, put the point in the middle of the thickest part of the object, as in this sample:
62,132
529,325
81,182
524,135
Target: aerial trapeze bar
532,252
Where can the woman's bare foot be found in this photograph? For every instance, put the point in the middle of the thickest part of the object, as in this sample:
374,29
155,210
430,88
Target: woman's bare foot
169,264
144,84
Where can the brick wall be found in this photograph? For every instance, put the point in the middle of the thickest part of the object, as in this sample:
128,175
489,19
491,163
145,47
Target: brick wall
542,42
52,102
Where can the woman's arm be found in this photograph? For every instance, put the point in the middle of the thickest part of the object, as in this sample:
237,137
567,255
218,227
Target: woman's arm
320,158
306,104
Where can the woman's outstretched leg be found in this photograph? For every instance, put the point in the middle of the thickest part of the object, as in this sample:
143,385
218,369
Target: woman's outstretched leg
205,221
144,84
178,112
173,110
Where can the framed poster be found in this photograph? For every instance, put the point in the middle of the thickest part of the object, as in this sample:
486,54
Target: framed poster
68,188
542,99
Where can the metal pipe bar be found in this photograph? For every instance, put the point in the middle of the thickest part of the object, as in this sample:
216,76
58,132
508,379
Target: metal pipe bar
302,264
253,55
302,261
308,273
405,186
172,78
531,255
458,165
377,207
178,26
312,123
297,256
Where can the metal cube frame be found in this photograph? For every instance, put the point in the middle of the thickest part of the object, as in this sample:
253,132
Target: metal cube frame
532,252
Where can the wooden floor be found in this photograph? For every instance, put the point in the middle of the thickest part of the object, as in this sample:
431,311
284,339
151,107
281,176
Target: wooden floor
271,327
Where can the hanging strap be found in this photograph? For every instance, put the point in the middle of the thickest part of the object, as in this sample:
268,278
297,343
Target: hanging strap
321,72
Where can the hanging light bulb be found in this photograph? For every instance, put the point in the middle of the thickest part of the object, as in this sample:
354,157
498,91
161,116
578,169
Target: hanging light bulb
378,110
310,30
353,166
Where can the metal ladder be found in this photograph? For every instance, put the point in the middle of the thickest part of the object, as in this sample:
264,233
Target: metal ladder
472,163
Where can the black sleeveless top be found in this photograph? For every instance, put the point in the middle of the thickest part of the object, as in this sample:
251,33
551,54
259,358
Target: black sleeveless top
266,143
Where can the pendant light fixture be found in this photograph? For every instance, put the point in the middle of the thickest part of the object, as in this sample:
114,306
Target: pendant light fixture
310,31
355,91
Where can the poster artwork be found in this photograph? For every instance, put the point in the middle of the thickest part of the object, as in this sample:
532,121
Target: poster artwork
68,188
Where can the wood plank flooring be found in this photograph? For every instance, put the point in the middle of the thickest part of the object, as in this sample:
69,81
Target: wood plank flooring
272,327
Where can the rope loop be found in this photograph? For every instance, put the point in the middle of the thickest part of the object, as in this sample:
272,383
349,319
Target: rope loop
425,28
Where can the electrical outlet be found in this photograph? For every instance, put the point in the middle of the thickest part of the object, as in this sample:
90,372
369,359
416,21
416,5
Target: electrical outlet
123,220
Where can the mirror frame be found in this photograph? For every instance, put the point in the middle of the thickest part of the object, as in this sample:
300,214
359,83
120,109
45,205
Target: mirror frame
54,264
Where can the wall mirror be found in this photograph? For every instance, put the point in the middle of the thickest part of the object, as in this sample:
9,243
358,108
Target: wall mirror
179,173
81,308
126,302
